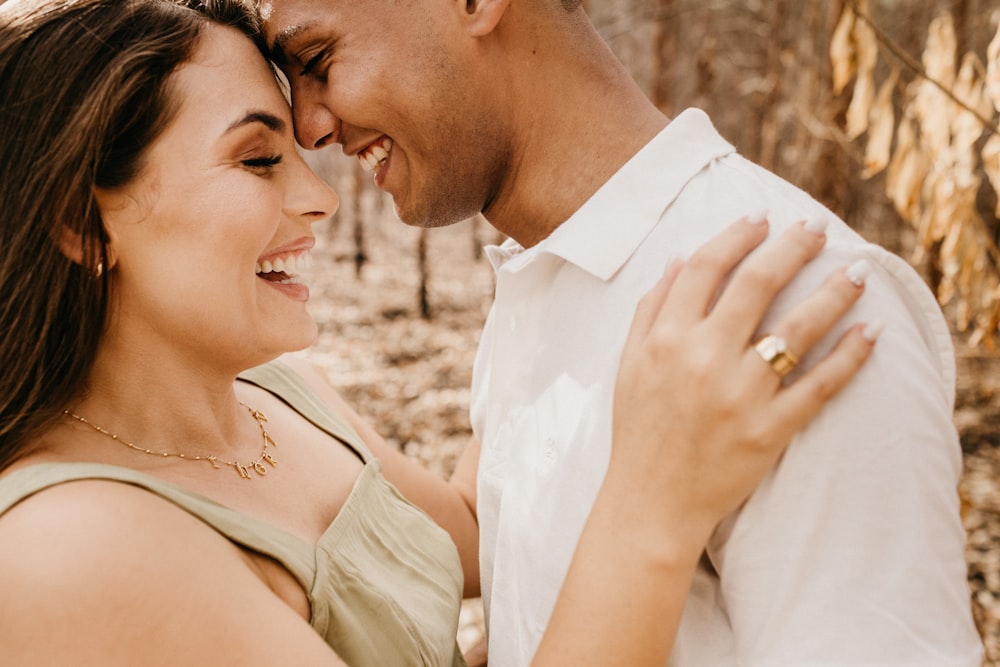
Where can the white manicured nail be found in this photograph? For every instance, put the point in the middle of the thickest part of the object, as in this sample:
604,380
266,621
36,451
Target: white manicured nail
816,225
858,272
757,218
872,331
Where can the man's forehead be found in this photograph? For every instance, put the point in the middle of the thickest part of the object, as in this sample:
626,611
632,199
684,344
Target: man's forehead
281,26
284,20
274,12
288,20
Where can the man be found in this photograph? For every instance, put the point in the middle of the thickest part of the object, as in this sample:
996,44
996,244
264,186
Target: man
851,552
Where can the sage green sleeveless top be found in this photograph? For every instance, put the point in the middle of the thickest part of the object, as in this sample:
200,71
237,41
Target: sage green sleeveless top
384,581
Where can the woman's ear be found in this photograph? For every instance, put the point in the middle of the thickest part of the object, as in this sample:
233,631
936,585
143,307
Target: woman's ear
70,243
73,247
483,16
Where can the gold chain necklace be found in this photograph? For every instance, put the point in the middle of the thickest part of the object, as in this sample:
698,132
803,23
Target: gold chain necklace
256,465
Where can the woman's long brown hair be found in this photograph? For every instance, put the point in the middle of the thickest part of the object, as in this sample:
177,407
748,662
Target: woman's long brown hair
84,90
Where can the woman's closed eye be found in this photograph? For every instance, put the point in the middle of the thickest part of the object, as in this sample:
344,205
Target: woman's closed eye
263,163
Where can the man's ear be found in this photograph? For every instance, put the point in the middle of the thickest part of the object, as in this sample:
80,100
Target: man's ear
483,16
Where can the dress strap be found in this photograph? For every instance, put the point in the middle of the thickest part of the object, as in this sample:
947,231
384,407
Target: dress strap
296,555
280,380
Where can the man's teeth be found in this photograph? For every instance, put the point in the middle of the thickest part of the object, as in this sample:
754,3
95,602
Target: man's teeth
375,156
291,265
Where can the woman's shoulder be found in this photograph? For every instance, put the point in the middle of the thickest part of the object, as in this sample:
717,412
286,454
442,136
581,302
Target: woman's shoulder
81,531
77,549
95,571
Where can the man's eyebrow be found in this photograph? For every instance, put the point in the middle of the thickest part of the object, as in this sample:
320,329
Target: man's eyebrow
276,51
270,121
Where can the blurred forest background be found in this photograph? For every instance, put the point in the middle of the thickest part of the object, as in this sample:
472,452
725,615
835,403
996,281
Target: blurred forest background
884,110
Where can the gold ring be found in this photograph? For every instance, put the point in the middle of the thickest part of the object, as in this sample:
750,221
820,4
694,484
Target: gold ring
774,350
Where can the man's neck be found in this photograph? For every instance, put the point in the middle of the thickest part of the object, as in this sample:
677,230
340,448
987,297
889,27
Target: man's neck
581,117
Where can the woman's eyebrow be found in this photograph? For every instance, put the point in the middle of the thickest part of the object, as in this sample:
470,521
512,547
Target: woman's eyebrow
270,121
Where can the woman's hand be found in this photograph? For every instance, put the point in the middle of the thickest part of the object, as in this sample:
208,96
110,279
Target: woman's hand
700,416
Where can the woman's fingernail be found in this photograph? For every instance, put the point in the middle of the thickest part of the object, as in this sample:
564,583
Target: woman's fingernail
757,218
872,331
816,225
858,272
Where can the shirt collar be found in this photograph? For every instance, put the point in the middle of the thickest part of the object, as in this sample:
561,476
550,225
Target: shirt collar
602,235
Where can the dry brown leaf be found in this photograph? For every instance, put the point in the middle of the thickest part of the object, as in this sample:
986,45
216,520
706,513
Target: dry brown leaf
954,260
906,173
967,126
931,106
993,71
962,251
861,105
970,86
989,322
960,254
991,164
934,172
932,110
951,256
963,315
866,51
842,55
941,206
940,52
969,310
954,196
927,220
882,122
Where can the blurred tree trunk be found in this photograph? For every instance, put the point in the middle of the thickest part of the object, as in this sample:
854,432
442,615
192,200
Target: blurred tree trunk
360,254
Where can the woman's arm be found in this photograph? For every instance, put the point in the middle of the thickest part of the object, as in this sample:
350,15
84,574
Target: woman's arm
699,419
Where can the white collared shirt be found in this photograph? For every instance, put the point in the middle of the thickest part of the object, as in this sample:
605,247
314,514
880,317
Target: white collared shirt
851,550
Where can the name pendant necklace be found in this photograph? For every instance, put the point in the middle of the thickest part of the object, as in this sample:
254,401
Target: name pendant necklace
243,469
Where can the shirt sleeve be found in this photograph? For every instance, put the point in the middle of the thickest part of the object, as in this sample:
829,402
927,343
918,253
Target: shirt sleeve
852,551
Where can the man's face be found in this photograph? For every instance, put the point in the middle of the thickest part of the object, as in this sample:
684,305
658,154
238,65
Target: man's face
397,84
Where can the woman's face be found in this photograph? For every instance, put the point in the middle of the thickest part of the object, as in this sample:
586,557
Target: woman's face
208,239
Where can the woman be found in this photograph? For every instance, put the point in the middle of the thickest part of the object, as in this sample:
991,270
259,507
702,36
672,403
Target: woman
170,495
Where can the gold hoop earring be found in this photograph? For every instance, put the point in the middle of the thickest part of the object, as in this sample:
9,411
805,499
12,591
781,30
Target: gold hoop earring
99,271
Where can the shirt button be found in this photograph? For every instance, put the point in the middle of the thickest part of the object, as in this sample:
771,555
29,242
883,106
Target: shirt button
550,450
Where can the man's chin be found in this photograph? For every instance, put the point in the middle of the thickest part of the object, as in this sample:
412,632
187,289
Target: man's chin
427,221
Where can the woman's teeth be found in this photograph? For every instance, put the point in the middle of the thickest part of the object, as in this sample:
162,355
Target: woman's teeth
376,155
290,265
